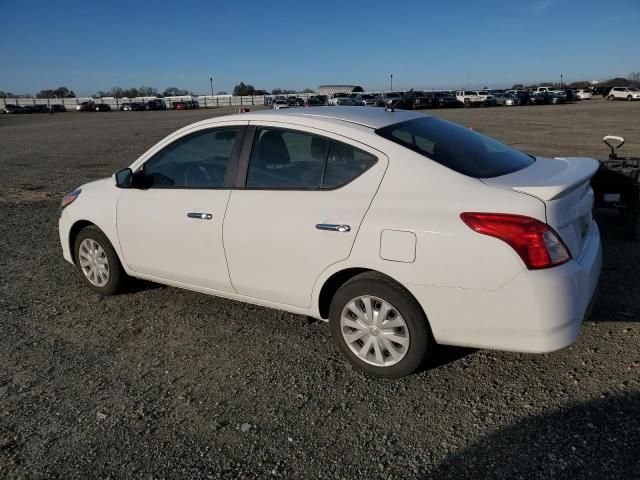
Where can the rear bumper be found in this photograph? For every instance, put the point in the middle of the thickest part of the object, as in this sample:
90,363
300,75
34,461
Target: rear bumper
537,311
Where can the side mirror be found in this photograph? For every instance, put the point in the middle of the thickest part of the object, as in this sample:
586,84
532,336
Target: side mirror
123,178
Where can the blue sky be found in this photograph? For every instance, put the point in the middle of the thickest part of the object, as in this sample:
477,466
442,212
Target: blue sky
90,46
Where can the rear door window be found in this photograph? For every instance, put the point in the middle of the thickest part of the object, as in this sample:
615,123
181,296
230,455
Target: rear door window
290,159
456,147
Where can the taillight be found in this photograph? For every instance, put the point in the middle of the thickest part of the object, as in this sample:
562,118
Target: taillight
537,243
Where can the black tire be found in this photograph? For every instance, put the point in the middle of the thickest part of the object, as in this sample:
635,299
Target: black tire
629,98
377,285
117,275
611,98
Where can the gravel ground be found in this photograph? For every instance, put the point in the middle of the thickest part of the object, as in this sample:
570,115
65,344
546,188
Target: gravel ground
165,383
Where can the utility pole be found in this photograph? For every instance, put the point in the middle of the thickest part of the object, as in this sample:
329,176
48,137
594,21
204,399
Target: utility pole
392,81
560,81
211,81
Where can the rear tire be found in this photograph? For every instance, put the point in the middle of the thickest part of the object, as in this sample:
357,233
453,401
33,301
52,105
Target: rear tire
97,261
390,346
611,98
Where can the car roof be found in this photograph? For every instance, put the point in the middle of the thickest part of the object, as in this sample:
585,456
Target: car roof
368,117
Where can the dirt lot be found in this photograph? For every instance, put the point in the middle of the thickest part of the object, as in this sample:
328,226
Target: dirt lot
164,383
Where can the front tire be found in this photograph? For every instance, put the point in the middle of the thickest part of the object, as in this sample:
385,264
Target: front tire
378,325
629,98
97,261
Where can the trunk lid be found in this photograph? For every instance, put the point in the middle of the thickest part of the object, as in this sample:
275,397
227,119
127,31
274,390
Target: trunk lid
563,184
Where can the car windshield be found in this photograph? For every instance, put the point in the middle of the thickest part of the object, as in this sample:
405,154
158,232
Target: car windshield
456,147
633,89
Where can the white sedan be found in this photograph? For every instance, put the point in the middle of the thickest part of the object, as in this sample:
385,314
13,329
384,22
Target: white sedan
584,94
400,229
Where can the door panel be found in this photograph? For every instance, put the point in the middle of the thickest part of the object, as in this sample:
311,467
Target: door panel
274,250
159,238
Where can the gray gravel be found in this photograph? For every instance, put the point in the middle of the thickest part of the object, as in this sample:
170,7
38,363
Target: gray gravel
165,383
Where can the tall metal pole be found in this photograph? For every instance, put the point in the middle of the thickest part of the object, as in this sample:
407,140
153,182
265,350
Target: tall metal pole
211,81
560,81
391,81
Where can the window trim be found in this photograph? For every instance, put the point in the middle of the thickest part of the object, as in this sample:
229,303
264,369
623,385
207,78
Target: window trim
247,149
232,166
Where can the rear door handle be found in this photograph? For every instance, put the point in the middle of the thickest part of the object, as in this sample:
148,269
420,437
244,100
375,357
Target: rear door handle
332,227
200,215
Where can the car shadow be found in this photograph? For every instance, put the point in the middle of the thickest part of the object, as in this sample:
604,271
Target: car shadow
595,439
136,285
444,355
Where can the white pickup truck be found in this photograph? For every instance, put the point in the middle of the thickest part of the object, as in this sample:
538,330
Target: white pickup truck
549,90
474,97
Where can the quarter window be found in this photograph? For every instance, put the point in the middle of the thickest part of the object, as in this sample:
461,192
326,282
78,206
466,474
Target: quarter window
286,159
199,160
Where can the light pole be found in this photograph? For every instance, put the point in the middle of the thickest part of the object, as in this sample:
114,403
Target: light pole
391,82
560,81
211,81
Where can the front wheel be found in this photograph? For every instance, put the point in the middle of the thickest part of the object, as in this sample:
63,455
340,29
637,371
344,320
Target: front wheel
611,98
629,98
98,262
379,326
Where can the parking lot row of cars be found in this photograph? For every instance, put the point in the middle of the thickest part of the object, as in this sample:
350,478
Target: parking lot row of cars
408,100
415,99
91,106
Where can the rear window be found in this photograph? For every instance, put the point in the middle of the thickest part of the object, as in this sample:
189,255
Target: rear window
456,147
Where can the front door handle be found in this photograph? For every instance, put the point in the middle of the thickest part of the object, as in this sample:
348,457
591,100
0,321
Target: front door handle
333,227
200,215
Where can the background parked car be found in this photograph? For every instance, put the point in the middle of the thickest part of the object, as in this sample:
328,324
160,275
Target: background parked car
445,100
279,104
9,108
102,107
180,106
156,104
624,93
86,106
366,99
383,98
583,94
57,108
511,99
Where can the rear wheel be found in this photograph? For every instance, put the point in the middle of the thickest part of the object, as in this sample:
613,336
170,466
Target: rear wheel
98,262
611,98
379,326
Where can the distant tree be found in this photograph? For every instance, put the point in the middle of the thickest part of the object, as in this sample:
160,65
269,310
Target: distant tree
276,91
634,79
7,95
308,90
242,90
517,86
616,82
60,92
579,84
175,92
131,93
260,92
222,92
545,84
148,92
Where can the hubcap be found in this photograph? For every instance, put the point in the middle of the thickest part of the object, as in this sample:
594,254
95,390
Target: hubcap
374,331
93,262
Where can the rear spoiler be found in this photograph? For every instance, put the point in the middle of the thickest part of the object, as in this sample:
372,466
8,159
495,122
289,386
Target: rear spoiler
548,179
